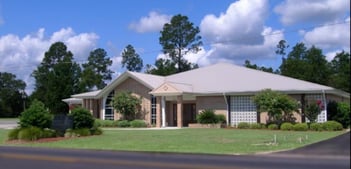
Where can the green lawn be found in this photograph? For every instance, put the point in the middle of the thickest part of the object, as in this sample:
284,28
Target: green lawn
213,141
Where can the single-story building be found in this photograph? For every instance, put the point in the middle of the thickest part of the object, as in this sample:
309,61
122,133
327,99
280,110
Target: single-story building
177,99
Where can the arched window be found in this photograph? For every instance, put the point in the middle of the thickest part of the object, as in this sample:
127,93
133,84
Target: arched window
109,115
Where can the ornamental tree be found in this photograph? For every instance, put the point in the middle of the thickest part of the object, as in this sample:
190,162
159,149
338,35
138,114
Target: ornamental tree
126,104
280,107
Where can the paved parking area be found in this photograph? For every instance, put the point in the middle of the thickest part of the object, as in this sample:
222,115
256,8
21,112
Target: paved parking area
8,123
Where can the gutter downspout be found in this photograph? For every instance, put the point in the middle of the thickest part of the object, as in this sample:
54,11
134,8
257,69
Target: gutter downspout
228,109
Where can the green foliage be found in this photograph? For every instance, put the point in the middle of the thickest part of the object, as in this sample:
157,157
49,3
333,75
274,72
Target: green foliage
123,123
104,123
30,133
36,115
221,118
163,67
339,112
280,107
207,116
262,68
12,95
306,64
96,131
131,60
96,71
316,127
126,104
340,71
79,132
256,126
312,110
82,118
56,78
273,126
332,126
300,127
137,123
13,134
287,126
178,38
243,125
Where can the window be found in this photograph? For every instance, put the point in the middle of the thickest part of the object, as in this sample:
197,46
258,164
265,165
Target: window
109,115
153,109
322,117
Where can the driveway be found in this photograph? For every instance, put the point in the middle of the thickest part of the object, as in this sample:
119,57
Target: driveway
8,123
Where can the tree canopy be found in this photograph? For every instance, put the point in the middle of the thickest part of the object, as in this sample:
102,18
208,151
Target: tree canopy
179,37
96,71
131,60
12,95
56,78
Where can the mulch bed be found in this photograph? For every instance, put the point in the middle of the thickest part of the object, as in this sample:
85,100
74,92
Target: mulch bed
42,140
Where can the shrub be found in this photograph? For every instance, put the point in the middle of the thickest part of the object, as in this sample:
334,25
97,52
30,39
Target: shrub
332,126
316,127
36,115
301,127
123,123
48,133
273,126
243,125
82,118
96,131
287,126
221,119
255,126
104,123
77,132
30,133
137,123
13,134
207,117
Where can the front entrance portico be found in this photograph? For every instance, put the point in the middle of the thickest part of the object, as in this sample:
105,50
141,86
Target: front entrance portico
162,111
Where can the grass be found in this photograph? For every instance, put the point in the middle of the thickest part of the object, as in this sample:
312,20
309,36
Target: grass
209,141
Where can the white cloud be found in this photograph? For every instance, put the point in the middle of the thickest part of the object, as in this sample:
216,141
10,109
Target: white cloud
312,11
152,23
21,56
242,23
330,36
239,34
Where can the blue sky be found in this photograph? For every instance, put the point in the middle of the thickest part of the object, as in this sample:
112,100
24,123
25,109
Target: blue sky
232,31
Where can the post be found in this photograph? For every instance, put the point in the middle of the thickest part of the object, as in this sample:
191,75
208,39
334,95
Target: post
163,105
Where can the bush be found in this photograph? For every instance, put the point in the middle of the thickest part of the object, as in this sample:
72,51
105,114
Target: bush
30,133
96,131
332,126
137,123
123,123
77,132
316,127
207,117
287,126
273,126
36,115
221,119
82,118
301,127
256,126
243,125
13,134
104,123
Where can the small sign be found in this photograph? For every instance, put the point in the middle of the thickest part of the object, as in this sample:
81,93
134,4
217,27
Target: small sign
61,123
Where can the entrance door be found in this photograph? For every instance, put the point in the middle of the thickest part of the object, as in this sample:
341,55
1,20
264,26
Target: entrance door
189,113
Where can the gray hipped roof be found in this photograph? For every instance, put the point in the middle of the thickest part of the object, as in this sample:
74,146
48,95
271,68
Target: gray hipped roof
221,78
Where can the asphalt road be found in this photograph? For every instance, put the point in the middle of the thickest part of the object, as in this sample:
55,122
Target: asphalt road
312,157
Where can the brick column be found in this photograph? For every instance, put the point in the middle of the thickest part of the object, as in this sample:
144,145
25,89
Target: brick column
158,111
179,111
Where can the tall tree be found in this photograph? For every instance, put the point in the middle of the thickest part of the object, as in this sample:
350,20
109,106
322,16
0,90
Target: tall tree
12,95
340,71
131,60
306,64
163,67
262,68
56,78
178,38
96,71
281,47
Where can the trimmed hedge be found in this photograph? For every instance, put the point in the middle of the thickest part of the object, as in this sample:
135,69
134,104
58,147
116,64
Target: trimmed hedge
243,125
316,127
124,123
273,127
286,126
137,123
82,118
30,133
301,127
332,126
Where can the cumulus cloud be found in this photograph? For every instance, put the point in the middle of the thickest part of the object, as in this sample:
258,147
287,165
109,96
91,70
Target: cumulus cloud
321,11
239,34
330,36
21,56
151,23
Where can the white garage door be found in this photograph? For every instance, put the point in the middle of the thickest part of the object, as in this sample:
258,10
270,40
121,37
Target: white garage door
243,109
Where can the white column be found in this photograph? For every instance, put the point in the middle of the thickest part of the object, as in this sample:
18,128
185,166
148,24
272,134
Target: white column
163,105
